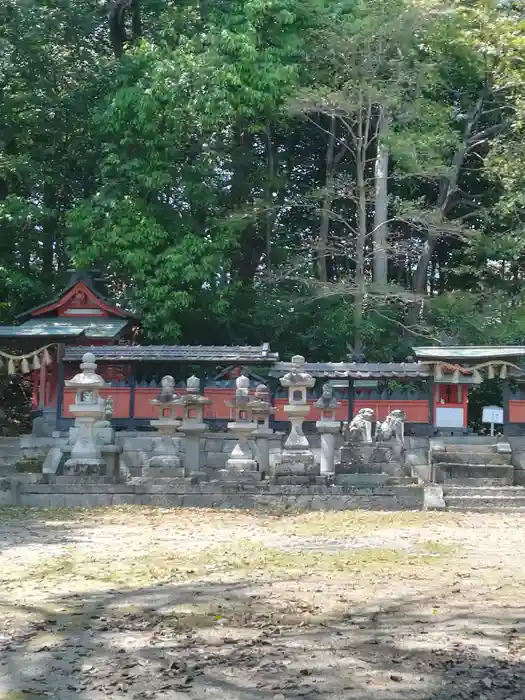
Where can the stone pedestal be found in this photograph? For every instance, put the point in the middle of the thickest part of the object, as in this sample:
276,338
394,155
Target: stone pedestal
165,461
296,439
328,429
297,458
262,410
241,460
192,457
262,437
193,425
375,458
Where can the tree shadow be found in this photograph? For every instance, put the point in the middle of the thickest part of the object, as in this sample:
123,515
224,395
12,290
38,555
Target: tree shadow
231,641
21,526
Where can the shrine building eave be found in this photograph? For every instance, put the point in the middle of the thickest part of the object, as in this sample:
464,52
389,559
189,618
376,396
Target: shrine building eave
65,328
78,294
357,370
217,354
466,353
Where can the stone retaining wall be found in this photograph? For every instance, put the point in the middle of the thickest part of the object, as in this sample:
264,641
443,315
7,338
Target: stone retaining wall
215,448
28,490
10,453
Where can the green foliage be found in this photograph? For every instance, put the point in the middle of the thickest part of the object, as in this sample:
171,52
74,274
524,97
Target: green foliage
15,405
192,168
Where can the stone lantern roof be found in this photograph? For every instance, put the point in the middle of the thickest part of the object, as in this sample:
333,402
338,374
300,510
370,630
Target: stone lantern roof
87,378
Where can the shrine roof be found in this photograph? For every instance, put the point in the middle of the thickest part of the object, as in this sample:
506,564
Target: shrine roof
245,354
469,352
62,327
78,293
357,370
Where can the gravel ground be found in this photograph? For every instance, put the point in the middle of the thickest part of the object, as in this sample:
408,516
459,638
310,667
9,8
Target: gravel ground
166,604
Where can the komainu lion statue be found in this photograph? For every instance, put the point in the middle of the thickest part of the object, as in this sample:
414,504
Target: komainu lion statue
392,428
360,428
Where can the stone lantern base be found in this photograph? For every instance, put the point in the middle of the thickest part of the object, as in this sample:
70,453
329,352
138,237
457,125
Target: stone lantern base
165,461
290,463
241,461
84,466
164,466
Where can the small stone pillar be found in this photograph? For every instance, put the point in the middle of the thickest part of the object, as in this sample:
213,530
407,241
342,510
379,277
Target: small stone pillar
296,458
193,425
262,410
165,461
241,458
328,428
86,457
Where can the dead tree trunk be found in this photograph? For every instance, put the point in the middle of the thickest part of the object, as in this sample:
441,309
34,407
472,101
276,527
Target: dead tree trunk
326,210
380,236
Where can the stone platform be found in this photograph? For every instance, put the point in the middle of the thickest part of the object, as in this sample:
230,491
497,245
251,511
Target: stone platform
66,492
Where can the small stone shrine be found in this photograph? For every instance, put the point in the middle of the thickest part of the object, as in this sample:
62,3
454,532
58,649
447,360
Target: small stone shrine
193,425
296,459
86,456
328,428
165,461
241,460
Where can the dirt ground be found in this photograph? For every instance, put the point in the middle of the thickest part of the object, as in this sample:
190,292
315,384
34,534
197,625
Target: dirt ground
206,605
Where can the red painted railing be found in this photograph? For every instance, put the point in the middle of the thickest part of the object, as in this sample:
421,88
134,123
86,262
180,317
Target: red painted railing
416,410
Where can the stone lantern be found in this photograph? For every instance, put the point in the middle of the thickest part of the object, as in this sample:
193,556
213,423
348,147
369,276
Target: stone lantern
296,458
241,458
262,410
297,381
328,428
193,425
86,457
165,460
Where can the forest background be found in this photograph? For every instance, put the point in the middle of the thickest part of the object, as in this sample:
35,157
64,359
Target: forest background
331,176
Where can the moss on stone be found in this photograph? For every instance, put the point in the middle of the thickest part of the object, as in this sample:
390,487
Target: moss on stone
29,466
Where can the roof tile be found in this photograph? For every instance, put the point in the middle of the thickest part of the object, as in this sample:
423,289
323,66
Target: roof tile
176,353
357,370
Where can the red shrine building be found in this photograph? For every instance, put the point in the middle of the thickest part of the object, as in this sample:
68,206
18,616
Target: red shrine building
433,388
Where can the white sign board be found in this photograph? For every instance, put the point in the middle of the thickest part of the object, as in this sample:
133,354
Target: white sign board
449,417
492,415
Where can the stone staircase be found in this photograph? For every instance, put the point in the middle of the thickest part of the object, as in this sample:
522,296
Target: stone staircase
477,477
459,464
480,499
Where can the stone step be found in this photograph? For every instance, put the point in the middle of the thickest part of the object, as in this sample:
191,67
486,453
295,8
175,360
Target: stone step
470,482
371,480
467,439
237,475
485,501
163,472
495,508
469,448
475,471
471,458
487,491
370,468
